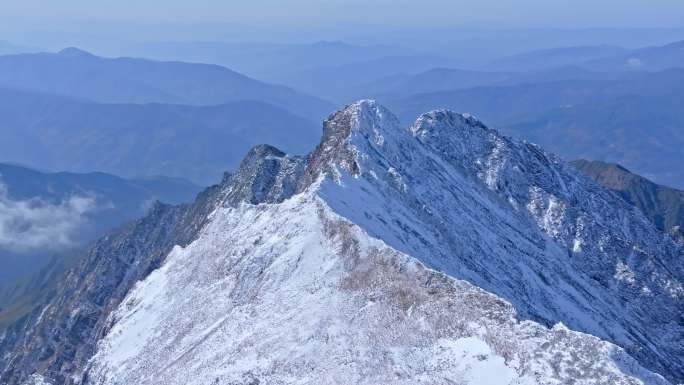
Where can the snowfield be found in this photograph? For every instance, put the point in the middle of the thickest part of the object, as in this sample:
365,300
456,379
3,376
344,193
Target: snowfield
292,293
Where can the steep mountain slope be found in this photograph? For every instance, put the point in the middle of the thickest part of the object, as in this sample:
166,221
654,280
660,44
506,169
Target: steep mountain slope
45,217
19,296
437,219
443,253
76,73
193,142
662,204
60,340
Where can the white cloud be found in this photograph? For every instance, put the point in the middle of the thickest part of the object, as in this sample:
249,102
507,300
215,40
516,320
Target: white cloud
34,223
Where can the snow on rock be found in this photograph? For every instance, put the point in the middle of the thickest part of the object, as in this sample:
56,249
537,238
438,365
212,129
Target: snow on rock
518,222
440,253
292,293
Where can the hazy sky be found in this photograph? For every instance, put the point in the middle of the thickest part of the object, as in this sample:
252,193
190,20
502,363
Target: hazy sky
51,24
509,13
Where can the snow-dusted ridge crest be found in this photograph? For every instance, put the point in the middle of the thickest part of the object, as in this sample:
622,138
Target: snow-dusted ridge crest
439,253
460,198
292,293
515,221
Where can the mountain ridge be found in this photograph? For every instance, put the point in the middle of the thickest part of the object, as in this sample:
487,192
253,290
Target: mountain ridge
310,261
194,142
77,73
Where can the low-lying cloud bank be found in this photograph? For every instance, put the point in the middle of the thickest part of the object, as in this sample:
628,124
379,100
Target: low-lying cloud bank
31,224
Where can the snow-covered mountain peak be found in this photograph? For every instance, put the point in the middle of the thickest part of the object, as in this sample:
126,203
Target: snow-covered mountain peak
367,115
362,119
366,132
438,253
350,134
464,199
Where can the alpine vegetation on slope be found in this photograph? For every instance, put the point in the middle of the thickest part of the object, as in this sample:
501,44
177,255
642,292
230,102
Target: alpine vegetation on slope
440,254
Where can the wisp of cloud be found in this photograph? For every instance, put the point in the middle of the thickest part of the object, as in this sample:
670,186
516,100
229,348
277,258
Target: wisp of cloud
31,224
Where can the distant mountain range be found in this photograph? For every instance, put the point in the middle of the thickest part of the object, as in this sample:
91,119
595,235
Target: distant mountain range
598,58
554,93
344,82
662,204
193,142
654,58
556,57
452,79
76,73
520,94
417,72
268,60
644,133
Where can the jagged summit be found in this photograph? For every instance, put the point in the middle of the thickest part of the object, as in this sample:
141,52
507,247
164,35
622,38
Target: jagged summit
368,120
438,253
448,191
265,175
365,129
362,121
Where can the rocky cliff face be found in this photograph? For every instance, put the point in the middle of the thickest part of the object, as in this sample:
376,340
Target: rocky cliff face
662,204
439,253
